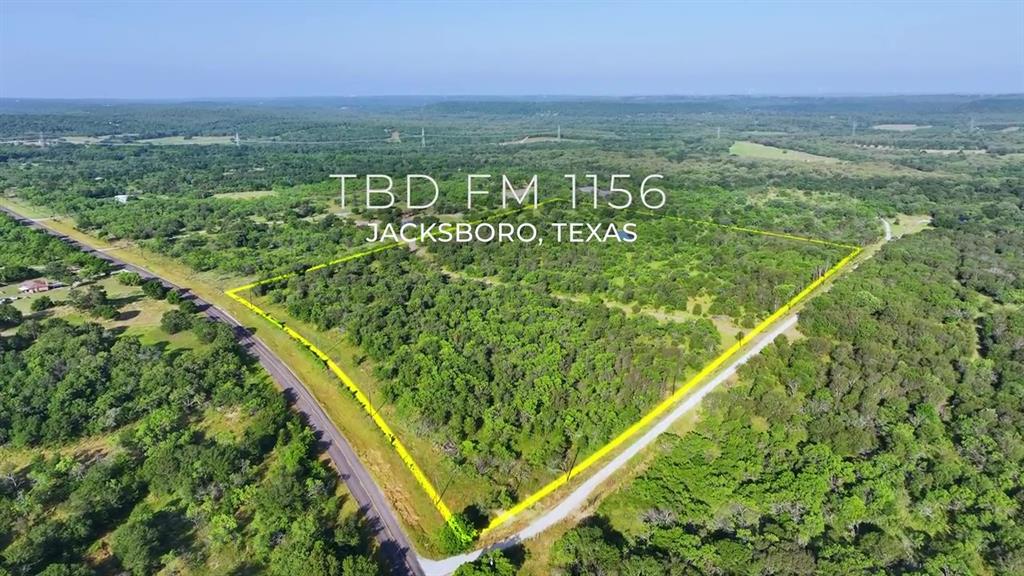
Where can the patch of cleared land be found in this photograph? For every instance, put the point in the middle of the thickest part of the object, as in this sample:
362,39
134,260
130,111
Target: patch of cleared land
900,127
138,315
245,195
905,224
745,149
83,139
533,140
949,151
181,140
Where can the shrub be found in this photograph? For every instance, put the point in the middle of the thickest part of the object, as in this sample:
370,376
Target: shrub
174,321
129,278
42,303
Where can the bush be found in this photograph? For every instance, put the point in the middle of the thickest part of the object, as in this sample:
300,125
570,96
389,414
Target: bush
174,321
457,535
206,330
154,289
135,545
88,299
42,303
174,297
105,311
129,278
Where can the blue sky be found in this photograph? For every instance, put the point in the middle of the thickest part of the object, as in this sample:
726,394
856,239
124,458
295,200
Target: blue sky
192,49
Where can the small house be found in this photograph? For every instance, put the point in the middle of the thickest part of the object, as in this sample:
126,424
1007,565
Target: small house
34,286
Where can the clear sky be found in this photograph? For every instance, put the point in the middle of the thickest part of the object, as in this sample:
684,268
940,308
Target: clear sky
227,49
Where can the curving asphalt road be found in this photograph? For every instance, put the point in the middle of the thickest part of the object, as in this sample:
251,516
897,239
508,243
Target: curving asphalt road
395,549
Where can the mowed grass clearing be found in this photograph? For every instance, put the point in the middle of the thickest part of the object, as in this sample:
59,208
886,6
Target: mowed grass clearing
138,315
899,127
745,149
182,140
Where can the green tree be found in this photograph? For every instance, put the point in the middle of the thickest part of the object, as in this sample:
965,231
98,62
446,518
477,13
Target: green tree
304,550
135,544
188,306
89,298
9,315
42,303
129,278
154,289
174,321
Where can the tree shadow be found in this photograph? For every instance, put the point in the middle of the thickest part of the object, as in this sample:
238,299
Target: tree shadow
476,516
123,301
176,531
126,315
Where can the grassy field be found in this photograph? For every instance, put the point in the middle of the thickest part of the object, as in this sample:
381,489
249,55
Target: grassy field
138,315
182,140
905,224
745,149
82,139
899,127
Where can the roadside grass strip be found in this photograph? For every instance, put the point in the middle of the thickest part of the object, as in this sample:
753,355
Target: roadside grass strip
425,484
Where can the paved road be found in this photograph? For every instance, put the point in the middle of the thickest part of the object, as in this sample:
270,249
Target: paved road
581,495
396,551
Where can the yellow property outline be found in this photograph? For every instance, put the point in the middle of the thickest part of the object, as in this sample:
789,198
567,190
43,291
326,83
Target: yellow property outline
579,468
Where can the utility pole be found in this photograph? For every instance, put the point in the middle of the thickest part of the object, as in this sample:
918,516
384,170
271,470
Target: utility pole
238,141
559,132
719,135
853,127
572,464
446,485
423,138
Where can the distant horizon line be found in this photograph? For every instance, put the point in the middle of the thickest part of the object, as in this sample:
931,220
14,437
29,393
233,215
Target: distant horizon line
566,96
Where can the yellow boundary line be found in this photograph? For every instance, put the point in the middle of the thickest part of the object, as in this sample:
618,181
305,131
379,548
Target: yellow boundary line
576,470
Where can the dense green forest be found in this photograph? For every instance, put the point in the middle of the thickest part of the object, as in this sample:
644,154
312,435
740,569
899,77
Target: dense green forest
512,382
119,456
162,487
886,440
26,254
